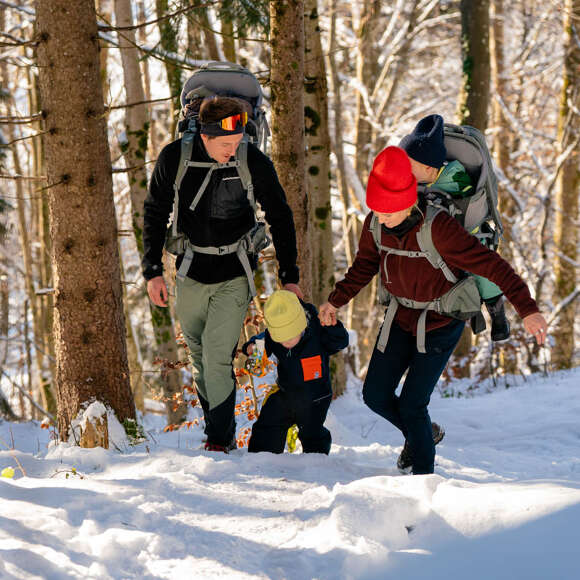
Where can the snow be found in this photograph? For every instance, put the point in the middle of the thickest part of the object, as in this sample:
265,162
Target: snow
504,501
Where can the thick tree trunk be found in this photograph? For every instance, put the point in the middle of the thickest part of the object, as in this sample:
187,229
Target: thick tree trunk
287,85
89,323
473,102
567,189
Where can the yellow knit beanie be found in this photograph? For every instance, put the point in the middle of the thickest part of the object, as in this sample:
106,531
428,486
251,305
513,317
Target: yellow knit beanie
284,316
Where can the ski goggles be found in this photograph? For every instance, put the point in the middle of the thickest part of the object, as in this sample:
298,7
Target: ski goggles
230,123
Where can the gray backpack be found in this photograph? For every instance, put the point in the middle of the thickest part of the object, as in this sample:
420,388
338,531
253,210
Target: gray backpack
231,80
477,213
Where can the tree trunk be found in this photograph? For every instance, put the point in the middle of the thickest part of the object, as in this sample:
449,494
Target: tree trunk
135,153
317,156
208,33
195,45
228,42
89,324
474,96
318,171
168,41
473,103
566,234
287,85
501,151
366,72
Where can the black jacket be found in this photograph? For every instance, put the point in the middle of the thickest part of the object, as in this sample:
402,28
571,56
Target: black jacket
299,366
222,216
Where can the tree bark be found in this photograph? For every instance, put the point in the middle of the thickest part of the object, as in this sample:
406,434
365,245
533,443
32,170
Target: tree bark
501,148
317,156
566,234
288,144
318,171
89,324
366,69
168,41
473,103
474,96
228,41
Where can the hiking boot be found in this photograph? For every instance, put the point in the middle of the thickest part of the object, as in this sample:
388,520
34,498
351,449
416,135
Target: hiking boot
500,326
405,459
215,447
232,445
438,432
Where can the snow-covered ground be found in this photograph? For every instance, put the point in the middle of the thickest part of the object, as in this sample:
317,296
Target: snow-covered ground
504,502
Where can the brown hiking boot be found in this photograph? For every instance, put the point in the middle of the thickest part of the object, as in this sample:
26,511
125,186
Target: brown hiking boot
405,459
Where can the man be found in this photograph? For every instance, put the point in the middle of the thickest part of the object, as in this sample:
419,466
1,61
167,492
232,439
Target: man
213,283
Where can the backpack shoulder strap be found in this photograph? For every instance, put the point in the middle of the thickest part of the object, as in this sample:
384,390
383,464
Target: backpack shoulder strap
186,151
244,171
375,228
425,241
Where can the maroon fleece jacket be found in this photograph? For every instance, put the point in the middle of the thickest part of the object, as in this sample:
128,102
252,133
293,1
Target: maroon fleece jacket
415,278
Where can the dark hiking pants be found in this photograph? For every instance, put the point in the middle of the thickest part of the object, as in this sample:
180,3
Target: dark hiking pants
281,411
408,411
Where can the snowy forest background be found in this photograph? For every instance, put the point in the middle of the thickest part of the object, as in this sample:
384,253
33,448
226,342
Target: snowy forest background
342,80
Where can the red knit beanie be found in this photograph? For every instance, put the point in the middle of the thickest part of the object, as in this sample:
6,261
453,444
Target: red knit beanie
392,186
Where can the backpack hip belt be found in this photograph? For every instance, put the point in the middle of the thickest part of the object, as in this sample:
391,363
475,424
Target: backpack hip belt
250,243
461,302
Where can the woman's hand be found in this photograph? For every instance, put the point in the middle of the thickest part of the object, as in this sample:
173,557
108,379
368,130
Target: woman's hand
327,314
536,325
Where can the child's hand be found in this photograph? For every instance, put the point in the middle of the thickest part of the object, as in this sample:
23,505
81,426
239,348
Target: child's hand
327,314
250,349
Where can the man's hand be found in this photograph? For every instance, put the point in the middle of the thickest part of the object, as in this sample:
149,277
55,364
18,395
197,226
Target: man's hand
294,288
536,325
327,314
157,291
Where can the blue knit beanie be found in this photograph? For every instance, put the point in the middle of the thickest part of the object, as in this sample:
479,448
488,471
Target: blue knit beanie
425,144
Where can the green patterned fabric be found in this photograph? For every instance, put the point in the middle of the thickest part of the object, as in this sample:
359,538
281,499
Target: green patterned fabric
454,179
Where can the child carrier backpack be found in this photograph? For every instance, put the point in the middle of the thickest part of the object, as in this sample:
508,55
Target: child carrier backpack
223,79
477,213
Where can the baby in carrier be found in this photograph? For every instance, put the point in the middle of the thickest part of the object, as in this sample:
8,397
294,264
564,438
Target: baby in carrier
426,149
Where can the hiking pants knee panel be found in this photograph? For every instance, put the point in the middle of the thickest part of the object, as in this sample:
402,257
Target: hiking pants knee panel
211,317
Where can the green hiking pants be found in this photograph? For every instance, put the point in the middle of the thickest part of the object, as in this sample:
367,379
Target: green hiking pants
211,318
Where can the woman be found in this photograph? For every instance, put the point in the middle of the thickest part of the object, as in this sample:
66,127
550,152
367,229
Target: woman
413,339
